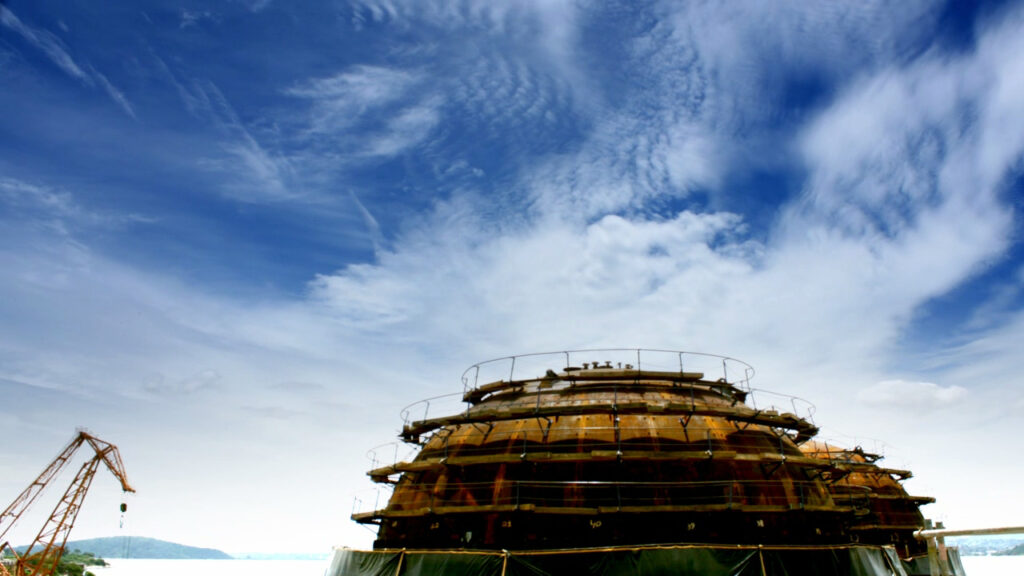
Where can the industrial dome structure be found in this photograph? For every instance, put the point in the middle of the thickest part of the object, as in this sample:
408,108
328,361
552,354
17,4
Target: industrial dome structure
613,453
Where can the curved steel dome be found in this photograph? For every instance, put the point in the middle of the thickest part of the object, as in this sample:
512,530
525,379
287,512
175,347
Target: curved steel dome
621,447
892,515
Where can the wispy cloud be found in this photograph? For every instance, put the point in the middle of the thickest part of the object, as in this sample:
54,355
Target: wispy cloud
116,95
340,101
371,223
194,99
29,202
265,176
193,384
191,18
410,127
57,53
46,42
516,78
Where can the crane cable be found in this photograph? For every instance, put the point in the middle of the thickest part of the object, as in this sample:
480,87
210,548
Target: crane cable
126,550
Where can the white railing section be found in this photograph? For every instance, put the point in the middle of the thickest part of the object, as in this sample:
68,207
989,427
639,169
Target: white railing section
531,366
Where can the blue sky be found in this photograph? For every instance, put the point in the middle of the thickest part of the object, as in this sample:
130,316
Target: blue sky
237,237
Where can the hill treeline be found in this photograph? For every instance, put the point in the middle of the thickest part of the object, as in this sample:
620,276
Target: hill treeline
138,547
1017,550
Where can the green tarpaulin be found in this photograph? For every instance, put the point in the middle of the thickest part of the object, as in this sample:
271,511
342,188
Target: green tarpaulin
639,561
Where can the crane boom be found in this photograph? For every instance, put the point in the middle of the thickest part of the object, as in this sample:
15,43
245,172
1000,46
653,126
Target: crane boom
11,514
42,556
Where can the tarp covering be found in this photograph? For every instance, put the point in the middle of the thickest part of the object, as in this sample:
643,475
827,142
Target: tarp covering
921,565
637,561
367,564
703,561
424,564
953,555
917,566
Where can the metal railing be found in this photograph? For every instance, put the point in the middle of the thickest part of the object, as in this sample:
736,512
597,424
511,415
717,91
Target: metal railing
527,367
420,410
388,454
801,408
532,366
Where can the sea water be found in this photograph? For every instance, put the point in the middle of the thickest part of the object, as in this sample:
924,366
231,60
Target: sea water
993,565
140,567
973,565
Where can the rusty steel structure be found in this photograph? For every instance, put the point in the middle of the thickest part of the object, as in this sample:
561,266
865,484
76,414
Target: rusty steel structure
44,553
892,516
578,450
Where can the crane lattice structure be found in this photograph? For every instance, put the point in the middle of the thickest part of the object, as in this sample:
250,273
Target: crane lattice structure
45,551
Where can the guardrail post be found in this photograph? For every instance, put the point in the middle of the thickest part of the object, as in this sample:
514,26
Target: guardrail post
933,556
940,548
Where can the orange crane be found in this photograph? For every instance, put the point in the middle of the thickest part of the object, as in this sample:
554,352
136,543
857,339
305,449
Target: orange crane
42,556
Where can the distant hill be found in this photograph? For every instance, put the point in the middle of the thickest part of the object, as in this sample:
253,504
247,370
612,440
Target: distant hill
137,547
1017,550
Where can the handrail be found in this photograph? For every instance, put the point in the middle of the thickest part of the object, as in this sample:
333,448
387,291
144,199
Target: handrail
471,377
809,409
875,451
371,454
646,359
947,532
405,413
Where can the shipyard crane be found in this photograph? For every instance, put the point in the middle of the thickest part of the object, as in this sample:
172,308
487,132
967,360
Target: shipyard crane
43,554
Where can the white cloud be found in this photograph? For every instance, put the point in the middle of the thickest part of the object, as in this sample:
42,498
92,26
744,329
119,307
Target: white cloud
903,395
